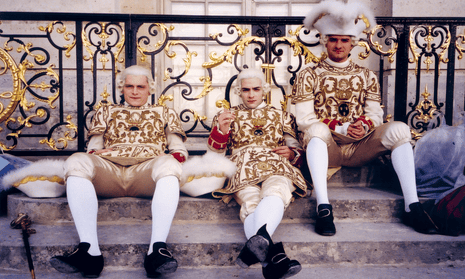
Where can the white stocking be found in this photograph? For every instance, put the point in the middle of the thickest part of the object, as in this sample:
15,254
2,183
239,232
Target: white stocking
403,163
249,226
164,204
317,159
269,211
83,204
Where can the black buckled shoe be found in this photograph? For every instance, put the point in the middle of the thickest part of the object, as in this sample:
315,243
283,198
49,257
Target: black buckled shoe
160,261
79,261
325,221
419,219
278,265
255,249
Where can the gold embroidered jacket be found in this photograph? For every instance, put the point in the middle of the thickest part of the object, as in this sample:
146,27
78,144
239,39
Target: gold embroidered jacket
138,132
336,95
253,134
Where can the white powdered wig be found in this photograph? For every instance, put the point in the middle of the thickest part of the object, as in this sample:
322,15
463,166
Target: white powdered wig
338,18
135,70
43,178
204,174
251,73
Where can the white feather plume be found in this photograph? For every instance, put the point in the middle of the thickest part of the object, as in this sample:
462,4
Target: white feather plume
45,167
330,17
210,164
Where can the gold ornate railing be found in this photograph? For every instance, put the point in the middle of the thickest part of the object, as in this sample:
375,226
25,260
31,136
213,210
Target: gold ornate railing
56,69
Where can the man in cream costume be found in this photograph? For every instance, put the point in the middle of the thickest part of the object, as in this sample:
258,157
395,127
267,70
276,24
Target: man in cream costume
127,156
338,110
262,142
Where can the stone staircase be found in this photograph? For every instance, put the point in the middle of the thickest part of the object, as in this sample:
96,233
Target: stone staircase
207,235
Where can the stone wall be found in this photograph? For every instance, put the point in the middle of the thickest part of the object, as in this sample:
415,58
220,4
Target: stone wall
400,8
84,6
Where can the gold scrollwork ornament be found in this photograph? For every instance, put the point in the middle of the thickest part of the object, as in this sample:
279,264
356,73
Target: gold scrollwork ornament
379,48
172,55
104,100
460,41
298,47
429,39
426,109
240,32
17,77
103,59
164,31
64,140
49,29
237,48
223,104
163,98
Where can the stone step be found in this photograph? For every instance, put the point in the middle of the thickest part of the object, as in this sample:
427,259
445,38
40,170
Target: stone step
449,271
217,245
351,204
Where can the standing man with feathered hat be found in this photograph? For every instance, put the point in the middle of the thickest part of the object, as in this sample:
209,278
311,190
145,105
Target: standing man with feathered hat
338,109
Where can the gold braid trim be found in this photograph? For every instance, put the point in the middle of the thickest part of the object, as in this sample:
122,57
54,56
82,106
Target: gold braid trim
372,124
27,179
192,177
221,145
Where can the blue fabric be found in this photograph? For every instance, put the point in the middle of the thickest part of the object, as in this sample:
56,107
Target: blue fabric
440,161
14,163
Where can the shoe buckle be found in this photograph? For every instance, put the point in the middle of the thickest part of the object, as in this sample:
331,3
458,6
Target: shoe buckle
431,220
281,257
324,213
69,254
164,252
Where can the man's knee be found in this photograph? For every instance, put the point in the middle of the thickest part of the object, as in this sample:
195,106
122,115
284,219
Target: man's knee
319,130
278,186
79,164
248,207
248,198
166,166
395,134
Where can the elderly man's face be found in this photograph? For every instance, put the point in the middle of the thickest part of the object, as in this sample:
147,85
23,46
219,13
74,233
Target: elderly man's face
339,47
136,90
251,92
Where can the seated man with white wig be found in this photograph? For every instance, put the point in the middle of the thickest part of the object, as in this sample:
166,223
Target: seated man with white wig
126,157
262,142
338,109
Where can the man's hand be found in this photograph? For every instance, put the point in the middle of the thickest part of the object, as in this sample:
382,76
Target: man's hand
284,151
225,119
356,130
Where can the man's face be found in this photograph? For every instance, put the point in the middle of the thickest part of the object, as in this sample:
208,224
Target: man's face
136,90
339,47
251,92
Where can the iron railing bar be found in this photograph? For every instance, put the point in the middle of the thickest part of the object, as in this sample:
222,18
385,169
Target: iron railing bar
401,82
80,89
450,76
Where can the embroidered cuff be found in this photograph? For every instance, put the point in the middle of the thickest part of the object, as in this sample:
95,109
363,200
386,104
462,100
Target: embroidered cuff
342,129
331,123
367,121
179,156
217,140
